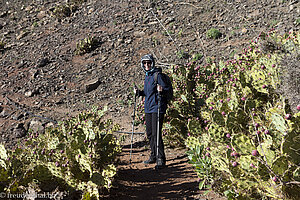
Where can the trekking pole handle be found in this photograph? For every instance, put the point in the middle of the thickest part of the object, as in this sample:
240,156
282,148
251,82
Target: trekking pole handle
159,88
135,89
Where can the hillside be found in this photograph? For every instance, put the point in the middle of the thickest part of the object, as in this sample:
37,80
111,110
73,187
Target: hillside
47,74
41,74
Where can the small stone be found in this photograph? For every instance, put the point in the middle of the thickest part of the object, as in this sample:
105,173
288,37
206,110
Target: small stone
22,34
139,33
28,8
92,85
18,116
91,10
43,62
33,73
29,93
4,113
41,14
244,30
19,130
36,126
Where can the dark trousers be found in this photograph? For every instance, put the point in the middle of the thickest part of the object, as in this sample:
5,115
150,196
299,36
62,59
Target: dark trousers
151,129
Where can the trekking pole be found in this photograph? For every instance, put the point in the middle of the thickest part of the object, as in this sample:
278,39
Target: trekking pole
157,133
132,126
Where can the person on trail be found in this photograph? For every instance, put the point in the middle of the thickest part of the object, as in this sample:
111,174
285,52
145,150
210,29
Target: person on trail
153,90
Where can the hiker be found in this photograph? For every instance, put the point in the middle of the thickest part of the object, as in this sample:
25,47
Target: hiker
151,91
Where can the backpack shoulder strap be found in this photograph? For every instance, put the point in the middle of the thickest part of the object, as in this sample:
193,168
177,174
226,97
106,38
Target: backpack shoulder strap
155,77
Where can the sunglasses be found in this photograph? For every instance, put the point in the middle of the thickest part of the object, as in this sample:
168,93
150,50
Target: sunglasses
147,62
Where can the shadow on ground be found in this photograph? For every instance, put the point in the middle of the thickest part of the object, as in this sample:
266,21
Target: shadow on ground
139,181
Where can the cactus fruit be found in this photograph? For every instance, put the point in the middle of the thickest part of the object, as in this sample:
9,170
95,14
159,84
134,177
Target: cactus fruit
234,164
288,116
255,153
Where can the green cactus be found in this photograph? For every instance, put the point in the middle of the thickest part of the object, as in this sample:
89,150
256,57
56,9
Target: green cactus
243,79
76,155
231,122
291,146
246,161
242,92
280,165
216,131
173,113
296,174
263,172
233,103
218,118
242,118
194,127
86,45
243,144
279,123
236,171
266,152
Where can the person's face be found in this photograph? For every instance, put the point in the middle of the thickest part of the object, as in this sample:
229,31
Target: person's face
147,64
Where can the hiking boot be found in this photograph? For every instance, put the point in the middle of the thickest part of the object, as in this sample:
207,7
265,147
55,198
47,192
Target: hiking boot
150,161
160,164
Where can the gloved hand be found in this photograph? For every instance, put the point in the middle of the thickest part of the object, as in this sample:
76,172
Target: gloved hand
159,88
136,90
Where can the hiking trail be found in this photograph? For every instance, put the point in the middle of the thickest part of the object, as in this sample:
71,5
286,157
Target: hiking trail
178,180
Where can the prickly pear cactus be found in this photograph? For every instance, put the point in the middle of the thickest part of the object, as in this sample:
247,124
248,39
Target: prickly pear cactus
243,144
78,154
253,141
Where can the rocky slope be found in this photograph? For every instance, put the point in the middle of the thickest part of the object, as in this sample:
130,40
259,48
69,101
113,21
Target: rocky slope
43,79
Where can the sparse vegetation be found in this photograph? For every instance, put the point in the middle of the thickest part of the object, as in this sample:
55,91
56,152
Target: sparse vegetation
208,60
77,155
77,1
62,11
169,32
155,42
35,24
213,33
182,54
86,45
180,33
297,22
2,45
197,56
273,23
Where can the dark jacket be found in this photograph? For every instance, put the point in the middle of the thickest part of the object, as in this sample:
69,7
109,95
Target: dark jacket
151,94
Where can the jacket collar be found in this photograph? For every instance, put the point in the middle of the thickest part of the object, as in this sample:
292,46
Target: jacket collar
152,71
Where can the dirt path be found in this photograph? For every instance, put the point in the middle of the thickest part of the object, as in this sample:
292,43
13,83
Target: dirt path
139,181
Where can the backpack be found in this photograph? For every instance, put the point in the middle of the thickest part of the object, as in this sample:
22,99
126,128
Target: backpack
166,79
